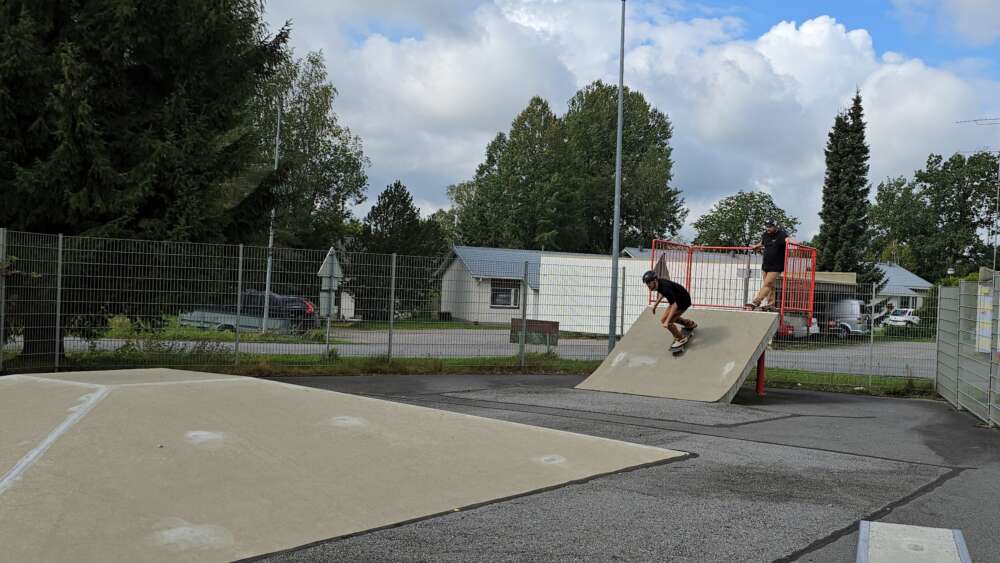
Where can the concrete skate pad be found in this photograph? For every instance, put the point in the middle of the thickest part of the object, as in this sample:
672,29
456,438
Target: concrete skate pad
717,360
881,542
170,465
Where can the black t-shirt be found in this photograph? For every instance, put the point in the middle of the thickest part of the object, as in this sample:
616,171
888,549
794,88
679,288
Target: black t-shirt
674,292
774,250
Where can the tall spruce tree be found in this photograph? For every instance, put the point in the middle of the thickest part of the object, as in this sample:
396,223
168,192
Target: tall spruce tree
843,234
128,119
394,226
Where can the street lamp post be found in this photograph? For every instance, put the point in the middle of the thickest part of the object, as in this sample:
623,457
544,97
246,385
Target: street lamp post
270,229
618,191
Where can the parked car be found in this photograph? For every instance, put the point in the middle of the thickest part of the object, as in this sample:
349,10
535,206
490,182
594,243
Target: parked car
794,326
847,318
284,314
902,317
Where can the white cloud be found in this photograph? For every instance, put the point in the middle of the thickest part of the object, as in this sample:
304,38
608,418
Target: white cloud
971,22
976,21
748,113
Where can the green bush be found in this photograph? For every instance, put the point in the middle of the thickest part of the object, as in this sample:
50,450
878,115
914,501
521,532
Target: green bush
120,328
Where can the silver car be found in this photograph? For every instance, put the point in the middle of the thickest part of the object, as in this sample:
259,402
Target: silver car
847,318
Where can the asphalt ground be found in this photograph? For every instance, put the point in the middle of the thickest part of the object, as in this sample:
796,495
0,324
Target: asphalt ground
786,477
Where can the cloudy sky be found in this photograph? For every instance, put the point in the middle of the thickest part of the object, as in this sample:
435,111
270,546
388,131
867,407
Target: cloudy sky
751,86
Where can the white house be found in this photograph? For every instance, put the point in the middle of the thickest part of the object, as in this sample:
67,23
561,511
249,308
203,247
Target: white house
903,289
487,285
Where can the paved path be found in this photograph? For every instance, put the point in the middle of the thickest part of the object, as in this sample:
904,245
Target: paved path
913,359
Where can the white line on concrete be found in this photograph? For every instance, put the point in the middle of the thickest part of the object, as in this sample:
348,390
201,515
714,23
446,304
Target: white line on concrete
49,380
76,414
104,385
153,383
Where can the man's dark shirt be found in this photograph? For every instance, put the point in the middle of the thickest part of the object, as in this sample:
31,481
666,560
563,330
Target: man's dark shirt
674,292
774,251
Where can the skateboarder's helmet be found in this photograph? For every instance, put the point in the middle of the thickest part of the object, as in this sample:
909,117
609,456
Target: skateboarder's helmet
649,276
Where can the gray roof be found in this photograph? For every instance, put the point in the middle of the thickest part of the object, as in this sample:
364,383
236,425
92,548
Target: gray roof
636,252
900,281
500,263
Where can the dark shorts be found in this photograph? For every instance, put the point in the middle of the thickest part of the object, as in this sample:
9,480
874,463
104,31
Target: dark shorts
682,306
769,269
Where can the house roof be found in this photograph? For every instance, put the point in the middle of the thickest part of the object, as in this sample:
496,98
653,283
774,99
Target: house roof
500,263
900,281
636,252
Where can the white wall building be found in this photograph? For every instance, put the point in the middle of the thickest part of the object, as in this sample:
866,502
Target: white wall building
487,285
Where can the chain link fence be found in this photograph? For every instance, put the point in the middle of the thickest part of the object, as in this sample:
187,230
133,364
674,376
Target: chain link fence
88,303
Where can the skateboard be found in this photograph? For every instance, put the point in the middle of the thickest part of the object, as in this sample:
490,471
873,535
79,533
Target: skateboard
764,308
680,349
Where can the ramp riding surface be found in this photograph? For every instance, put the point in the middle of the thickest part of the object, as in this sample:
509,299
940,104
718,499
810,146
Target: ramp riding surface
715,363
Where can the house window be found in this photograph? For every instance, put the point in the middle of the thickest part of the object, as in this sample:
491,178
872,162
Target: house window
505,294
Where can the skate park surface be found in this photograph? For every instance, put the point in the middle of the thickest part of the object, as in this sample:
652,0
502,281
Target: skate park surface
785,477
165,465
717,359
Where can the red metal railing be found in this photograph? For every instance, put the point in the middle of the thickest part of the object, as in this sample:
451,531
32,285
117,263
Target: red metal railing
728,276
798,282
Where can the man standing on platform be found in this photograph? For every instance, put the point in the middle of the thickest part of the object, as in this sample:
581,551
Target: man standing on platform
773,243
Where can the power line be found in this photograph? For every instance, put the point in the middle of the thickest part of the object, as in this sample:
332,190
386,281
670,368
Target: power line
981,121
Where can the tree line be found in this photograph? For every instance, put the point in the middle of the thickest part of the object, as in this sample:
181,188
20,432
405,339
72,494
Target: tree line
158,121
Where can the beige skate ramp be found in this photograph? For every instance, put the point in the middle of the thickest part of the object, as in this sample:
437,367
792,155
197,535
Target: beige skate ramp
718,358
166,465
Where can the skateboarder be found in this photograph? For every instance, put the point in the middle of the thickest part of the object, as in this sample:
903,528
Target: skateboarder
679,300
773,243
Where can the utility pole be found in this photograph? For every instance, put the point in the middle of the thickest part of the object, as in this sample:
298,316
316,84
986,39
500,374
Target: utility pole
270,228
618,192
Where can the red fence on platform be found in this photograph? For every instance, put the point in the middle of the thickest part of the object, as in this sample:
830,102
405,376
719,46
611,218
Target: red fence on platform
729,276
798,282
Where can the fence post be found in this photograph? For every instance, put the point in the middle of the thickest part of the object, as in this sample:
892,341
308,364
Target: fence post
3,296
392,304
621,325
267,278
59,268
239,303
937,335
329,300
746,284
871,337
993,354
524,314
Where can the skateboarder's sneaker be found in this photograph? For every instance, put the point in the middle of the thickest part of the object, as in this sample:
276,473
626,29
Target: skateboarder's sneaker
751,307
691,327
678,344
768,308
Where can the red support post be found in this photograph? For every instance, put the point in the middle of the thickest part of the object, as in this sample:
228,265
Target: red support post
690,256
760,375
